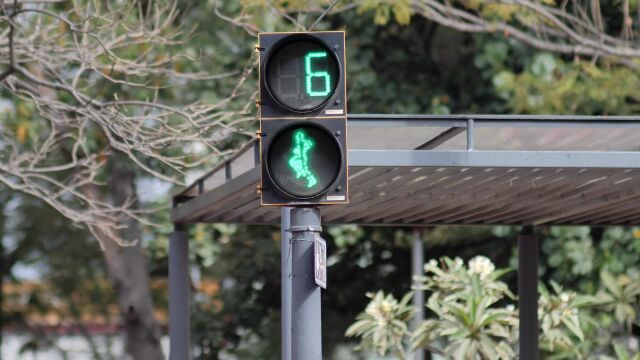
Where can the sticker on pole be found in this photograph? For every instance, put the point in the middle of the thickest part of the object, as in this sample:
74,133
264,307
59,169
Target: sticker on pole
320,261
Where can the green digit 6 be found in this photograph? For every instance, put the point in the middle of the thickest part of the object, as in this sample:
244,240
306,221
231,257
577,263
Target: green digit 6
309,74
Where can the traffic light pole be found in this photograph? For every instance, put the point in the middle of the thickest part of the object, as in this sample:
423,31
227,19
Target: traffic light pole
306,329
528,248
179,314
285,263
417,269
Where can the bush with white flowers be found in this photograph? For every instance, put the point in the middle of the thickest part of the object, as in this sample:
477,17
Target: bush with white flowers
473,316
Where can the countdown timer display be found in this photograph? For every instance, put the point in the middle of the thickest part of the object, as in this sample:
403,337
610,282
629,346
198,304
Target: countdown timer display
304,160
302,75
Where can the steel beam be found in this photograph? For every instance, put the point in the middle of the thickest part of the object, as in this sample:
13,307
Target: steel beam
457,123
528,294
470,134
285,280
524,159
497,121
193,209
179,313
441,138
417,262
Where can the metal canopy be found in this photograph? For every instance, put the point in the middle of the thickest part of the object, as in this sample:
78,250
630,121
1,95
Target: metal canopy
425,170
472,169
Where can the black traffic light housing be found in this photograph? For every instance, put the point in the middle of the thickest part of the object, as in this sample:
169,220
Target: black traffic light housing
279,184
271,44
303,118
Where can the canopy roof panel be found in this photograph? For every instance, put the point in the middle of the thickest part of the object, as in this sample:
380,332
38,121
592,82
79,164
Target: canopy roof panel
470,170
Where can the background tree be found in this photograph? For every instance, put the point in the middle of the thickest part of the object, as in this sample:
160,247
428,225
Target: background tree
93,87
438,69
160,90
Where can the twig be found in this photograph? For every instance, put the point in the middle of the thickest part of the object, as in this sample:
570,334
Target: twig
12,61
64,76
322,15
571,34
8,2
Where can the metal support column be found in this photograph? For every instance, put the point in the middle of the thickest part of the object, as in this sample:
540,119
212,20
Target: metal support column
470,135
528,294
179,314
285,268
417,262
306,332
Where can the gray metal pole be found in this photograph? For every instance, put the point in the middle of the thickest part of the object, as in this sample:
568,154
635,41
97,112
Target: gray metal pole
306,332
179,314
528,294
285,268
417,261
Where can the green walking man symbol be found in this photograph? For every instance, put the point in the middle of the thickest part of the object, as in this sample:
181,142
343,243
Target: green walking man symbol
299,160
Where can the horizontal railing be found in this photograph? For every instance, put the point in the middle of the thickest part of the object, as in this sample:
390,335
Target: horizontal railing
456,124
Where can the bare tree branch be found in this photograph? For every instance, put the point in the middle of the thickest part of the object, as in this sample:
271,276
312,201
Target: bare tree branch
77,75
545,27
333,4
11,69
21,2
571,27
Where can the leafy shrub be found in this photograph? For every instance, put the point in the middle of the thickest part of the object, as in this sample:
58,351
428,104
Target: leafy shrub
473,316
383,325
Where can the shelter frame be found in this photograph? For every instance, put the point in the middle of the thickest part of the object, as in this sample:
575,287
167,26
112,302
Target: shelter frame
455,187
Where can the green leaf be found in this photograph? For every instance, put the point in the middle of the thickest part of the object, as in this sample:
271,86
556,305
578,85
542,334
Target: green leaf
620,352
611,284
402,11
556,287
489,319
574,325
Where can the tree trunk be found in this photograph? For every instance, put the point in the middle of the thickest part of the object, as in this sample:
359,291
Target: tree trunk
2,269
5,263
127,266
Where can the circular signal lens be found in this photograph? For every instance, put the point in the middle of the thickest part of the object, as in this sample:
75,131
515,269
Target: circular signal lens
302,75
303,161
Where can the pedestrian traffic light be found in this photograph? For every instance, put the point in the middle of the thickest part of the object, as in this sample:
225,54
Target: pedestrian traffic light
303,161
303,118
302,74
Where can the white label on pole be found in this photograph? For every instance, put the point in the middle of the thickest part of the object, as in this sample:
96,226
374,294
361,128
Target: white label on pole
334,112
320,261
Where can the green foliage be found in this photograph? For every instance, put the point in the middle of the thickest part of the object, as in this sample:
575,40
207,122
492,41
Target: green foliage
468,319
344,235
620,295
562,326
619,249
549,85
73,276
401,10
575,256
383,325
207,242
409,65
452,279
26,133
622,354
573,251
472,317
239,317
